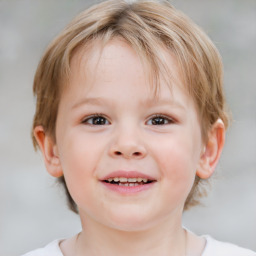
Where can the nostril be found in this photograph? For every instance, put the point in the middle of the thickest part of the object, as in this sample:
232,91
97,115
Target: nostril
128,153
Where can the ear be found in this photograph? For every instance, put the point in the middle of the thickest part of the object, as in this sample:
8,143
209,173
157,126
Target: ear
212,150
49,151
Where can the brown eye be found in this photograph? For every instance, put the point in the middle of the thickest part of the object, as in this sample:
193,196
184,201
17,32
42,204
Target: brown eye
96,120
160,120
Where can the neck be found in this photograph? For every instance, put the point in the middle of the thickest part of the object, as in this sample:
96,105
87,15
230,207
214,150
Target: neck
162,239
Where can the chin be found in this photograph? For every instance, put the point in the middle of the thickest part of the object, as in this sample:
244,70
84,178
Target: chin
130,221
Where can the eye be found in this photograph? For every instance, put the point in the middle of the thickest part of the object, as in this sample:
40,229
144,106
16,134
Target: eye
96,120
160,120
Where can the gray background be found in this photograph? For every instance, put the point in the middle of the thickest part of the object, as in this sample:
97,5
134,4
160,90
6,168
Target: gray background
33,210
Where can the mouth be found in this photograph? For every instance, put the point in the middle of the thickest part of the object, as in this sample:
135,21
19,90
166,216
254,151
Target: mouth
128,182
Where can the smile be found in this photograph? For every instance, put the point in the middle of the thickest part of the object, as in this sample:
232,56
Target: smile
128,182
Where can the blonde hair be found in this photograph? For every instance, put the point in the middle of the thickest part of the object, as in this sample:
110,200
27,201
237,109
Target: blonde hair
146,25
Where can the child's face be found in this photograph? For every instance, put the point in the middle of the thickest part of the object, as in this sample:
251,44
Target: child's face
110,125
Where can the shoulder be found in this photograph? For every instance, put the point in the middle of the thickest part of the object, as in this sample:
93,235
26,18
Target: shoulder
214,247
52,249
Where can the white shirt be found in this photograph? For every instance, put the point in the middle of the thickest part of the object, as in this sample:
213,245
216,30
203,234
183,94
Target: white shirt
212,248
217,248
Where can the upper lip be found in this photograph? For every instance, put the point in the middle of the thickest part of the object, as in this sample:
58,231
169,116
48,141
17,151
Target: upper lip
127,174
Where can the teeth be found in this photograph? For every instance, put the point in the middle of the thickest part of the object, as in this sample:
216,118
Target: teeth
128,184
123,184
132,180
124,180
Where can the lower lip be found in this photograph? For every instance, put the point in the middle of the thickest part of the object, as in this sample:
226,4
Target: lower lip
128,190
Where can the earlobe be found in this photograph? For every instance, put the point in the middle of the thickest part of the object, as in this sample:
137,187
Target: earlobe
49,151
212,150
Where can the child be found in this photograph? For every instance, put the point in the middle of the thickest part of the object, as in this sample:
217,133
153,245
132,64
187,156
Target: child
131,118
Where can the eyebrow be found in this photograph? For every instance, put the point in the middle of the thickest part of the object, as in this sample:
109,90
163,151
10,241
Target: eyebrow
148,102
90,101
163,102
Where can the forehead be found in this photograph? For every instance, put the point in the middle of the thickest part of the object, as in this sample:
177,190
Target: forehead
118,59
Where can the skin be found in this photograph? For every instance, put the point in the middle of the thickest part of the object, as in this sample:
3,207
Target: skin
112,84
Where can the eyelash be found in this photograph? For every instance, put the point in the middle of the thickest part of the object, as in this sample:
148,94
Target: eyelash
94,116
162,120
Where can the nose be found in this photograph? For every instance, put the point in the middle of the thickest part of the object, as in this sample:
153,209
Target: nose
128,144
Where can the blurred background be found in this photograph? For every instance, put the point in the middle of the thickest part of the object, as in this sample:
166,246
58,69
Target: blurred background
33,211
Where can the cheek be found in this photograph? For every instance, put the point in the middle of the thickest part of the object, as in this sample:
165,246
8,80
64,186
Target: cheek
79,151
178,160
79,158
177,156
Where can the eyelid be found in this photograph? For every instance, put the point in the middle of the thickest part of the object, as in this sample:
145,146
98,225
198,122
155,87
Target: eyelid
170,119
95,115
